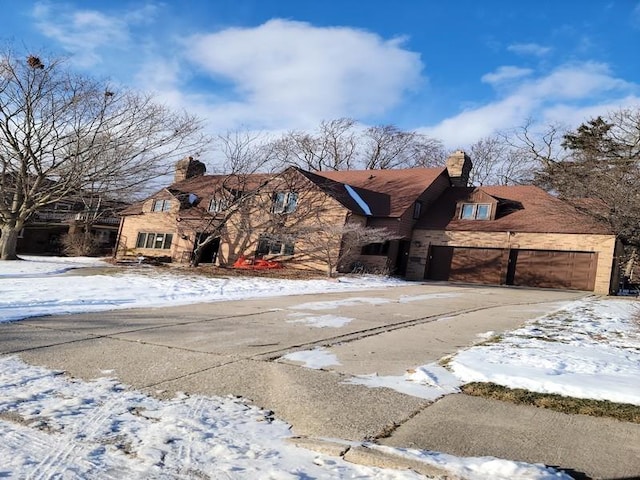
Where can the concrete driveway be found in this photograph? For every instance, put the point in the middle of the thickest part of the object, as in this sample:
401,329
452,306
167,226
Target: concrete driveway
236,348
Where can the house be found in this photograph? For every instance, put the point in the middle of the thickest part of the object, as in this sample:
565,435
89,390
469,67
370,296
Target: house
286,215
439,228
44,231
513,235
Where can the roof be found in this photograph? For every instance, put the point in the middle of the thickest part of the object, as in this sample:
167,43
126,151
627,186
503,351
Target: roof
401,187
520,209
355,199
203,186
377,193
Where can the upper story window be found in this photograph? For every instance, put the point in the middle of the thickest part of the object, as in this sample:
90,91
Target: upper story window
417,209
475,211
284,202
218,205
161,205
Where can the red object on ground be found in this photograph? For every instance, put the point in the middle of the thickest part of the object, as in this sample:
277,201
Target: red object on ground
258,264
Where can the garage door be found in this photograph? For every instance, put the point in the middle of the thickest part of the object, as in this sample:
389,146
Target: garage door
552,269
464,264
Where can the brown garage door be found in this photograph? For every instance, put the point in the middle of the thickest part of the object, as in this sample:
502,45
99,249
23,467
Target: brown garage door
552,269
464,264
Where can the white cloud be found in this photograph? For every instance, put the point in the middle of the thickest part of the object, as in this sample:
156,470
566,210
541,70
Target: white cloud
83,32
529,49
505,73
569,94
292,73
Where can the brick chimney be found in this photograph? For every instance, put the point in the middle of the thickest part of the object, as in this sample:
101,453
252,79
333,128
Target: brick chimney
188,168
458,166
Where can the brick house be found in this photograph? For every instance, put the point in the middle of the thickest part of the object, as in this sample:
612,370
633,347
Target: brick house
443,230
513,235
254,211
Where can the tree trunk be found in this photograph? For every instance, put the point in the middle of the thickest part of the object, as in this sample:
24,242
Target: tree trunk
8,242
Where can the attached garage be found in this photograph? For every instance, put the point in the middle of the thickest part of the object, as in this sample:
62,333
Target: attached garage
465,264
513,235
526,268
554,269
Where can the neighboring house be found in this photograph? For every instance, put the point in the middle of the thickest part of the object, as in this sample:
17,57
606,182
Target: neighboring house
44,231
442,229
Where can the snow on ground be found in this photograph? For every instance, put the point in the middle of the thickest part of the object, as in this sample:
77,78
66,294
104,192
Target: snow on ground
53,426
35,266
588,349
347,302
56,427
428,381
317,358
319,321
139,287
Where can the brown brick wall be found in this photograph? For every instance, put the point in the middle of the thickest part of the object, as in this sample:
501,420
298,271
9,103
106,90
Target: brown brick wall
604,245
242,231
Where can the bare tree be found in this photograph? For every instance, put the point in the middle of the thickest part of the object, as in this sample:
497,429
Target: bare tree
496,161
342,144
386,146
332,147
62,133
337,245
596,168
236,192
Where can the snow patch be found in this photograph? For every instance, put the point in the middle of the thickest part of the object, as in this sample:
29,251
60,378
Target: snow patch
317,358
428,381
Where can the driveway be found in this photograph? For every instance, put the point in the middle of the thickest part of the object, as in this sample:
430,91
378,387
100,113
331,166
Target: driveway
237,348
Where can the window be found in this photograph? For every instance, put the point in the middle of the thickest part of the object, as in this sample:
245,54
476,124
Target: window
376,249
270,246
475,211
218,205
102,236
154,240
284,202
161,205
417,210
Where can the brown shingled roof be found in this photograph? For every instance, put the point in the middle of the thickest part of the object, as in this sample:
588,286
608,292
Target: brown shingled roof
520,209
402,186
378,203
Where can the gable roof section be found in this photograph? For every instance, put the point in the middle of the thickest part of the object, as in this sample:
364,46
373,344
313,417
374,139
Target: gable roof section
359,200
402,187
520,209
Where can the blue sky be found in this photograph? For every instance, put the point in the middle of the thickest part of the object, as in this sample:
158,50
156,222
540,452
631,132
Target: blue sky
455,70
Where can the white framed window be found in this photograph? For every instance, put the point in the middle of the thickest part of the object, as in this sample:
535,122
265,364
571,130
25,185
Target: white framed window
161,205
160,241
284,202
475,211
218,205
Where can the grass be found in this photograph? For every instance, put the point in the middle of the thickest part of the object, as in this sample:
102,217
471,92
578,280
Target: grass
596,408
